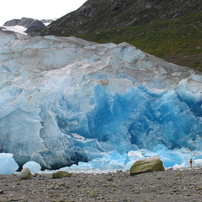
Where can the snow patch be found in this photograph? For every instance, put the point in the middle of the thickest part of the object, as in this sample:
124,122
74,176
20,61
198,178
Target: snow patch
16,28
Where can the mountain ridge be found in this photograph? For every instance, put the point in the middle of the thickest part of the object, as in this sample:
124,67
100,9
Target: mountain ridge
103,14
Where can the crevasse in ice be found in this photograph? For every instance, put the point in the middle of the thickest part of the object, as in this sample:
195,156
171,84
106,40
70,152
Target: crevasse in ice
66,100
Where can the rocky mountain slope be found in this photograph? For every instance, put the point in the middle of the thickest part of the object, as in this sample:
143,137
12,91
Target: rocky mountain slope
105,14
146,24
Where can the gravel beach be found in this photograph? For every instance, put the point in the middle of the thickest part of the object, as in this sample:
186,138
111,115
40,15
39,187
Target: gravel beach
171,185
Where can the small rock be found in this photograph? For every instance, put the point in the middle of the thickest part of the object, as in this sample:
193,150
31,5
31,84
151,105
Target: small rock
25,174
179,175
60,174
93,193
110,178
61,184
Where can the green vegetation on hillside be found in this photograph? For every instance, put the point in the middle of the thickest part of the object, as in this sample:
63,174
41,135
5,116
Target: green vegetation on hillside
178,40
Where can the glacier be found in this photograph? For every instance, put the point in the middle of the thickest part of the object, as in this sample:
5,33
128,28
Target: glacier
66,101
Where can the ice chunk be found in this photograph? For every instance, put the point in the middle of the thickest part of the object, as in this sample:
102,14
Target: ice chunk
178,167
33,166
8,164
197,162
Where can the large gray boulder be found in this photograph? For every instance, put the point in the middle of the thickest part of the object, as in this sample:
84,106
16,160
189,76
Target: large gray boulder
147,165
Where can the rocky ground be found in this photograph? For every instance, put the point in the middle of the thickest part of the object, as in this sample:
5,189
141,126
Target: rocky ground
170,185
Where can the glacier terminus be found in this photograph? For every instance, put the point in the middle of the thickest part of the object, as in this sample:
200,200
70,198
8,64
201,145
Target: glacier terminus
66,101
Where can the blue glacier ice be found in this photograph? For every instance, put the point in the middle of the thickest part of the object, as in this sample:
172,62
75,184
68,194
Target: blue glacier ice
65,102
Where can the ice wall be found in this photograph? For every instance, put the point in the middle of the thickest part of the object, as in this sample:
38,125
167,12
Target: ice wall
65,100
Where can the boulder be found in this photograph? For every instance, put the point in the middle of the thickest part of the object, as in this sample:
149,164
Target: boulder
25,174
147,165
61,174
